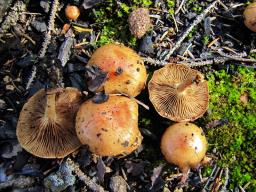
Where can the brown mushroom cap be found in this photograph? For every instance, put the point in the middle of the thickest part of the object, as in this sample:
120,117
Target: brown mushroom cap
250,16
179,93
46,126
109,128
139,22
126,70
185,145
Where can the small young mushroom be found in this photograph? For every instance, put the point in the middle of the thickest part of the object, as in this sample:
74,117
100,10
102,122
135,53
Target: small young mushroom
250,16
126,70
184,144
179,93
109,128
72,12
46,126
139,22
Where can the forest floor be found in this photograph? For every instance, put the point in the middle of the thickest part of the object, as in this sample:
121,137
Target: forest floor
219,45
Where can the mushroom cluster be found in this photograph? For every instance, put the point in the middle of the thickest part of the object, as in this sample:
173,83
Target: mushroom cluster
110,128
54,123
180,94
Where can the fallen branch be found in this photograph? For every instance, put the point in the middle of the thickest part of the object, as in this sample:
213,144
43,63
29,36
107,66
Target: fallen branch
154,62
198,20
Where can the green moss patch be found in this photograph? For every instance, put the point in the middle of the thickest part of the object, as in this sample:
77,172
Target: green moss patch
233,97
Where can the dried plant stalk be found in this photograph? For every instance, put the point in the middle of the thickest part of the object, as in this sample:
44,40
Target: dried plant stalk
50,28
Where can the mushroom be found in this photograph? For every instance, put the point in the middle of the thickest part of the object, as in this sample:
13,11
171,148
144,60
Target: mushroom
250,16
126,70
46,126
109,128
184,144
139,22
72,12
179,93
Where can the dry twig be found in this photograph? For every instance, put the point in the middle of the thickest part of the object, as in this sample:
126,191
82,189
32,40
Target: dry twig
198,20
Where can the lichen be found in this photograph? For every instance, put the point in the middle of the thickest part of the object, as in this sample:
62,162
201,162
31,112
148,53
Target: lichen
60,180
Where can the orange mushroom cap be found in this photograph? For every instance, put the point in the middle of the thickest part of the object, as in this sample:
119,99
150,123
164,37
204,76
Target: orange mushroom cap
109,128
46,126
72,12
184,144
126,70
179,93
250,16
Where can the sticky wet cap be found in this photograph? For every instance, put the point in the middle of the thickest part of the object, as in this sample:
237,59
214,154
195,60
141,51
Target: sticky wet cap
184,144
109,128
125,69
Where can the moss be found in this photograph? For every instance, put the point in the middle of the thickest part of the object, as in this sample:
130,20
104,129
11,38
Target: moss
111,28
194,6
171,5
192,33
205,39
235,141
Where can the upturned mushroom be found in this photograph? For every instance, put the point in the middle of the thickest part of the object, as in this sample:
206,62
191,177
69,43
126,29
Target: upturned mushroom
250,16
184,144
46,126
126,70
109,128
179,93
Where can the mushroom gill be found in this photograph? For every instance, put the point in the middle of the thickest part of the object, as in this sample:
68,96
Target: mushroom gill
46,126
179,93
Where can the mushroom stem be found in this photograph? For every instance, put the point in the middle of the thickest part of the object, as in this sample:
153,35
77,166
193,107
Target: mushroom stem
50,112
182,87
194,79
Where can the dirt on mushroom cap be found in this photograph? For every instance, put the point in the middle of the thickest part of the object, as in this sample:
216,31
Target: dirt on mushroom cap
50,135
109,128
